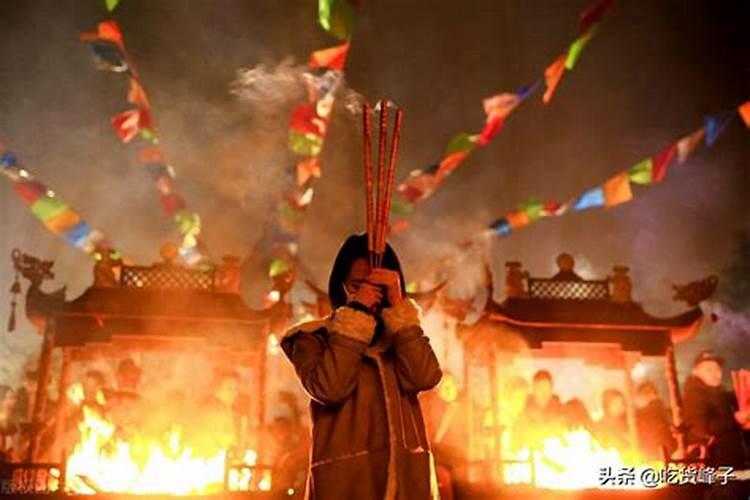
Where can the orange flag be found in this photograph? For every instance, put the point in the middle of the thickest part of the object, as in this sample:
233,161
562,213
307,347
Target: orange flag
331,58
617,190
744,111
136,95
552,76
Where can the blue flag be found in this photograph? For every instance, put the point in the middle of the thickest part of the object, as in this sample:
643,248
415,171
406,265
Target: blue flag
590,199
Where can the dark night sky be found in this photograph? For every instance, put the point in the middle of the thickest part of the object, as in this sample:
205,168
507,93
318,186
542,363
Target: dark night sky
648,77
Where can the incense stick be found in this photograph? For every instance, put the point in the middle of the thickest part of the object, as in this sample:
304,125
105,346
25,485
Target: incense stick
369,205
379,214
389,186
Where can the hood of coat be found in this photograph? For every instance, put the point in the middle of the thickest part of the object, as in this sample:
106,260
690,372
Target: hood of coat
355,247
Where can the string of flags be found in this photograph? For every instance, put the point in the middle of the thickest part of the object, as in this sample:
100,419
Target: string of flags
136,125
308,126
420,184
619,188
49,208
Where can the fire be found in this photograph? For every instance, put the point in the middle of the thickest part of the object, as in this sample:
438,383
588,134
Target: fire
570,461
102,461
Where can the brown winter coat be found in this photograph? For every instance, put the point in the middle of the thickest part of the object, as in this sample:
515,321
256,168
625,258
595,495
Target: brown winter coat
369,439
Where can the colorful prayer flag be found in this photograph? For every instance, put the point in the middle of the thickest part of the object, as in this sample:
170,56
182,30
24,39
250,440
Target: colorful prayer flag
336,17
661,163
111,4
590,199
501,226
533,209
136,95
30,190
744,111
331,58
500,105
48,207
617,190
491,129
461,143
172,203
108,56
641,172
687,144
130,123
552,76
517,218
63,221
593,14
305,144
305,120
574,52
451,163
307,169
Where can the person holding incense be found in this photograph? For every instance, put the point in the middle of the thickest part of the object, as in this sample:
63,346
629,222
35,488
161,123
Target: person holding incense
363,367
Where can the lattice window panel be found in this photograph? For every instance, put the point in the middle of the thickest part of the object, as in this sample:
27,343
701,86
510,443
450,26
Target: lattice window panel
568,290
166,278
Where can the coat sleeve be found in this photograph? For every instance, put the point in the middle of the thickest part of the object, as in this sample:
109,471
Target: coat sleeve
328,365
417,366
696,416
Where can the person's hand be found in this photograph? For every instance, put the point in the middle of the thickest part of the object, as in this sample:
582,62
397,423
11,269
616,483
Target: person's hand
368,295
390,281
742,417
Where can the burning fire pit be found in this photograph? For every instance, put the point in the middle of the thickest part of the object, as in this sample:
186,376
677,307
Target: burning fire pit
162,310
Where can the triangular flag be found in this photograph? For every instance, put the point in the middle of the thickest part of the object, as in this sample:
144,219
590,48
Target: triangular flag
129,123
111,4
641,172
307,169
744,111
687,144
110,30
500,105
493,126
552,76
450,163
137,96
461,143
617,190
108,57
501,226
714,126
335,17
331,58
305,120
517,218
661,163
593,14
30,191
592,198
533,208
574,52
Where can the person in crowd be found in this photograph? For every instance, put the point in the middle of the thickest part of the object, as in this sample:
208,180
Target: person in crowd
711,413
542,416
8,424
612,429
655,439
363,368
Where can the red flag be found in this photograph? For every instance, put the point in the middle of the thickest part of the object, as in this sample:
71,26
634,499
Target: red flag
661,162
493,127
129,123
172,203
552,76
110,30
593,14
305,120
331,58
744,111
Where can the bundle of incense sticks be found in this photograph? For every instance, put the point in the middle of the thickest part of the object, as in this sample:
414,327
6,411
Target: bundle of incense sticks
741,383
379,190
